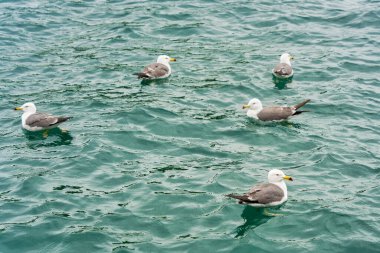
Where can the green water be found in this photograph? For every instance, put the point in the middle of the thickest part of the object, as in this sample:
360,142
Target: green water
145,167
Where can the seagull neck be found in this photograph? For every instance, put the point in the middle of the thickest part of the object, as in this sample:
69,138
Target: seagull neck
253,112
286,61
25,115
168,65
283,187
165,63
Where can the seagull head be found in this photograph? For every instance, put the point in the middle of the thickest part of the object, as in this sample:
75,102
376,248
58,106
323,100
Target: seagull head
27,107
286,58
253,104
277,176
164,59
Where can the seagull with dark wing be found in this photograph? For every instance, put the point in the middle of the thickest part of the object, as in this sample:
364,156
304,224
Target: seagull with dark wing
269,194
160,69
284,68
257,111
36,121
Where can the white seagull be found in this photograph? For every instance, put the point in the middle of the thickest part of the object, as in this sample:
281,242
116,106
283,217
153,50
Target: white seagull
36,121
257,111
269,194
284,68
160,69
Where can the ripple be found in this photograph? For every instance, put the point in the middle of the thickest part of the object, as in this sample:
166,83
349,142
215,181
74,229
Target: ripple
145,165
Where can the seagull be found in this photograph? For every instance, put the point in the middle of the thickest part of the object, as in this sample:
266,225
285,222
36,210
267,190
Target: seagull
160,69
269,194
37,121
284,68
256,110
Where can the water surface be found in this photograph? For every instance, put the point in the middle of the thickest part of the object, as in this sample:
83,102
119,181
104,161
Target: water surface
145,167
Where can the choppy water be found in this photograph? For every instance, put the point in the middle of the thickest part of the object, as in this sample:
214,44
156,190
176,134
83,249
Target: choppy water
145,167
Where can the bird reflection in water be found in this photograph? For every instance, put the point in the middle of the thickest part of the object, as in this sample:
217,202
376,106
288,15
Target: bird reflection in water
56,137
281,83
253,218
154,81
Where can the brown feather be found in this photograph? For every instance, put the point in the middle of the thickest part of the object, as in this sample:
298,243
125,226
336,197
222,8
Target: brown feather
154,70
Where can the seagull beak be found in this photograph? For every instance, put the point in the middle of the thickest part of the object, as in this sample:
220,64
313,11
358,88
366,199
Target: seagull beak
291,57
246,106
173,59
18,109
288,178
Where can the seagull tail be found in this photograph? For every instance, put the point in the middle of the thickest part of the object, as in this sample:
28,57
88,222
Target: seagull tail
63,119
141,75
301,104
301,111
242,198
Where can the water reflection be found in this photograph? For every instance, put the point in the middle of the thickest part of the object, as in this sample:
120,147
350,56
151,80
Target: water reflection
54,137
154,81
280,83
284,123
253,217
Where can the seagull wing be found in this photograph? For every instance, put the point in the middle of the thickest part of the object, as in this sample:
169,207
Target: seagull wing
44,120
154,70
275,113
282,69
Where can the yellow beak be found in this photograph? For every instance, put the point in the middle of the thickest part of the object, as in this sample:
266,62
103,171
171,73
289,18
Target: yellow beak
291,57
173,59
288,178
18,109
246,106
